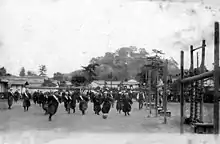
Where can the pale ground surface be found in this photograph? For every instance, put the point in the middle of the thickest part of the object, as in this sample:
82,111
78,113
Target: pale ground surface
33,126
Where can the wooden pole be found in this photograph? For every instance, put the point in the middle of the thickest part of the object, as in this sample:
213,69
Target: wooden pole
150,91
165,73
156,95
202,81
216,79
197,60
198,77
111,80
181,93
196,88
192,83
191,58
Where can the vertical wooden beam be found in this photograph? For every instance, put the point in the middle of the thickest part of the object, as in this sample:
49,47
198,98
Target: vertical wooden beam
192,84
191,58
156,95
181,93
111,80
202,81
150,90
196,89
165,73
146,87
197,60
216,79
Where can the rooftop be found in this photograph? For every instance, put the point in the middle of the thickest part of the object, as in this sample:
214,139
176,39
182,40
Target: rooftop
18,82
102,82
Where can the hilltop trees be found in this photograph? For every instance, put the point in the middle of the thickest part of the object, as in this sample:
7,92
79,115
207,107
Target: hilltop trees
78,80
31,73
127,63
58,76
3,71
48,83
89,71
42,70
22,72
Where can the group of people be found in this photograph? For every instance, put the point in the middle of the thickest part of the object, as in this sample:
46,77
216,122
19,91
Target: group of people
103,100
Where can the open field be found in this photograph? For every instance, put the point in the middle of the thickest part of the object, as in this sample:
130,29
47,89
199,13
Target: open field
15,123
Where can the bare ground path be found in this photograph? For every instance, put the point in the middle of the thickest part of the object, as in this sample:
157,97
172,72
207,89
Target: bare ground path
16,124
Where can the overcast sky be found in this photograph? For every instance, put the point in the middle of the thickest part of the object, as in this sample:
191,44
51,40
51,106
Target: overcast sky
65,34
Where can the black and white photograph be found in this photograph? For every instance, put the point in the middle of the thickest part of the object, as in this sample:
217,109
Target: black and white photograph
109,71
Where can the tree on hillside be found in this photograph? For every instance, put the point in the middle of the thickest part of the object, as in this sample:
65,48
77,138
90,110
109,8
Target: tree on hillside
3,71
78,80
31,73
157,52
48,83
58,76
90,71
22,72
42,70
153,63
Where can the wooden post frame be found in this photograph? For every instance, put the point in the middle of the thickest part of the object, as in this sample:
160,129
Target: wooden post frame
191,92
156,95
165,73
181,93
215,73
150,91
202,81
216,79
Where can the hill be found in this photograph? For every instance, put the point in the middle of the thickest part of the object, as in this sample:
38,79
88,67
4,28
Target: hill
124,63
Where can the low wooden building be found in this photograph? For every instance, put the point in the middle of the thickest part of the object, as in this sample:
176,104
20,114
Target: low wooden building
102,83
3,85
3,88
19,85
114,84
131,84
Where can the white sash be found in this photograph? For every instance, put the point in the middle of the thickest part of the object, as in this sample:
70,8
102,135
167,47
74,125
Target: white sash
56,98
66,97
70,97
138,96
26,94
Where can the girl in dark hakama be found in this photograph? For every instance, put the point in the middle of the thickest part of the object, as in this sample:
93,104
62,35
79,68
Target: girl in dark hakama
45,103
106,106
65,100
97,103
127,102
26,101
71,102
83,104
119,103
52,105
16,96
10,99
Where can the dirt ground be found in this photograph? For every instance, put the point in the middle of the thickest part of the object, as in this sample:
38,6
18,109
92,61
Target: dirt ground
16,124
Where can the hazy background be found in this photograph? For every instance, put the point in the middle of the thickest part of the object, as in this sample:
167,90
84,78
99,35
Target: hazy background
65,34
